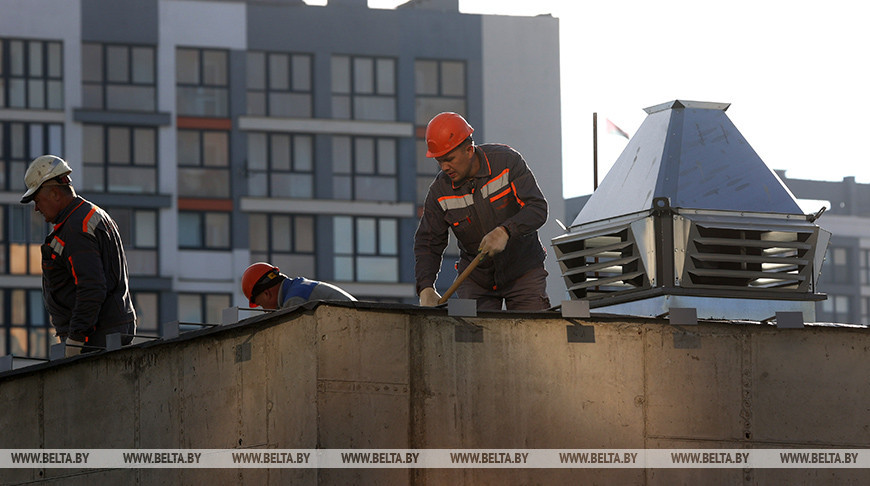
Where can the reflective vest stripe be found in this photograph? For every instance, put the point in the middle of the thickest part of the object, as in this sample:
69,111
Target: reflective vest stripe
496,184
455,202
89,224
57,245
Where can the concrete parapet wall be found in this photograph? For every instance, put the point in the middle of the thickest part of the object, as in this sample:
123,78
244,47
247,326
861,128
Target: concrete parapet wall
337,377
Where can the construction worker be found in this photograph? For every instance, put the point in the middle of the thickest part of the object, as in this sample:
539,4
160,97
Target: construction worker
84,268
260,284
489,198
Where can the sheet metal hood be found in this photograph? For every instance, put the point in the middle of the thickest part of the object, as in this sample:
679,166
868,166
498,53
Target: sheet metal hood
690,217
691,153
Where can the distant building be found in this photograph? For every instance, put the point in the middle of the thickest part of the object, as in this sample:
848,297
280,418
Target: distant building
845,274
218,133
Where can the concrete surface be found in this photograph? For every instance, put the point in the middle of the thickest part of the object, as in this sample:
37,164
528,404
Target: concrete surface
338,377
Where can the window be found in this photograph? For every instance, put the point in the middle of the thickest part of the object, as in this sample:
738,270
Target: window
865,311
25,330
202,308
20,143
366,249
439,86
120,159
364,168
20,252
203,164
836,268
363,88
138,228
836,308
31,74
147,306
279,84
118,77
204,230
202,77
286,241
280,165
864,256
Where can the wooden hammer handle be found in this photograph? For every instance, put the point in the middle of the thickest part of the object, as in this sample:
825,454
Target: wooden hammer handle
465,273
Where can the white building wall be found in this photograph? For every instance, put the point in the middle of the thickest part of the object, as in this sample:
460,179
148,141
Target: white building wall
200,24
521,100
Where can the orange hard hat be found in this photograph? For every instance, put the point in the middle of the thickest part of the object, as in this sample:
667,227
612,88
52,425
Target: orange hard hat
445,132
257,278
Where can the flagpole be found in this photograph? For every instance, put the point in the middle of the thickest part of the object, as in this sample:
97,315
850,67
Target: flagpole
594,151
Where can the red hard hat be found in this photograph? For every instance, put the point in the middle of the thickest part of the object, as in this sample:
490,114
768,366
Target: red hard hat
445,132
257,278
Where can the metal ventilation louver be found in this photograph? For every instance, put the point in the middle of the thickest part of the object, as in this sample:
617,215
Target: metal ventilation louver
604,263
754,253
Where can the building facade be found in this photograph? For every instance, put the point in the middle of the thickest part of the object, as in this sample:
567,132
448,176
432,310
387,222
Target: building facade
220,133
845,274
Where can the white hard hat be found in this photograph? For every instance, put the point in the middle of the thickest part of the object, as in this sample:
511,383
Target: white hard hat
44,168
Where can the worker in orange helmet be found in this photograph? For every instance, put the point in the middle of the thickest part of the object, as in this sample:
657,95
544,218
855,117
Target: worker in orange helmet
489,198
265,286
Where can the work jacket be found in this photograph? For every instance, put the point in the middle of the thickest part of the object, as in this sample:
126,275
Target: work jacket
299,290
84,272
504,192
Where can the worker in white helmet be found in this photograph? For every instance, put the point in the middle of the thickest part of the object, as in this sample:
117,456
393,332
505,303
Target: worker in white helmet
84,268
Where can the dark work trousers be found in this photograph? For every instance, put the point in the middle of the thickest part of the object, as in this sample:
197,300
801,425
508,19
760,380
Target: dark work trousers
529,292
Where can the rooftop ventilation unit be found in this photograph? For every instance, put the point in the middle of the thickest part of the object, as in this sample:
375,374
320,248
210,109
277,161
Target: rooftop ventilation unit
689,216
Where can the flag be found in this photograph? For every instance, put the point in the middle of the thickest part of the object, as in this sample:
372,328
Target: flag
611,128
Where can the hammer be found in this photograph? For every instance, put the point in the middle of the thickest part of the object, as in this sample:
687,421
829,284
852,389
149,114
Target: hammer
465,273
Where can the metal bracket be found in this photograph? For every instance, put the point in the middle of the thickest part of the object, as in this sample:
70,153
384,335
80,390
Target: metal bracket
462,308
229,315
170,330
6,363
57,351
575,308
113,341
790,320
683,316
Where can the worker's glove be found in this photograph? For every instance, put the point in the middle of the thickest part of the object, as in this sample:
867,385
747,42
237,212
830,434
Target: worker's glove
73,350
494,241
429,297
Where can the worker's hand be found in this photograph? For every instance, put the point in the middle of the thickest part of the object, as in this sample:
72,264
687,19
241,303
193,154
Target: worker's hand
494,241
73,350
429,297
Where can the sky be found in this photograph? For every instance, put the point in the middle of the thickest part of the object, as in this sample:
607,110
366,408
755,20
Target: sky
795,73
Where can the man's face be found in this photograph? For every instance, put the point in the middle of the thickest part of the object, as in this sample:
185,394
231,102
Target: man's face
47,202
268,299
459,164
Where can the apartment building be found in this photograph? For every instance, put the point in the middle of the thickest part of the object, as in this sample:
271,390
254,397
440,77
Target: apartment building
220,133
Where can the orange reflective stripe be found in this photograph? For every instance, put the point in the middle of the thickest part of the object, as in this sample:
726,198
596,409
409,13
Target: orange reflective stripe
88,218
500,195
522,204
73,268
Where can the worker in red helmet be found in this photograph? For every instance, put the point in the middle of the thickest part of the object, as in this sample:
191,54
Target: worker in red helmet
265,286
489,198
84,267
